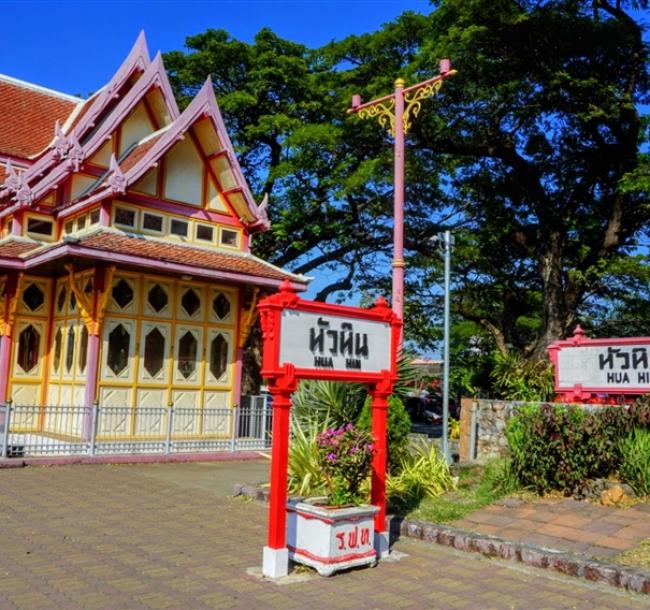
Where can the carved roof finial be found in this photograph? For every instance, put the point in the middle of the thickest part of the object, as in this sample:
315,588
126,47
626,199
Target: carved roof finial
24,195
13,181
117,180
75,154
61,144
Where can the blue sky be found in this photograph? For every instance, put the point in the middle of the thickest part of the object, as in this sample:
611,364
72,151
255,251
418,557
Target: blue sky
75,46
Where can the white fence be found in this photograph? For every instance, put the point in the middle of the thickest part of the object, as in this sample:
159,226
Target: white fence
29,431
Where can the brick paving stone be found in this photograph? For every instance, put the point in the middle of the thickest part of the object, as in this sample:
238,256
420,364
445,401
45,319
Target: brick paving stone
124,537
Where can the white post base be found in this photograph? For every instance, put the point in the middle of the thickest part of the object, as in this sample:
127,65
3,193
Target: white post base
382,544
275,562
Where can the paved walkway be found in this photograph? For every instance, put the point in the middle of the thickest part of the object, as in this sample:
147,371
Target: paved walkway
168,536
564,524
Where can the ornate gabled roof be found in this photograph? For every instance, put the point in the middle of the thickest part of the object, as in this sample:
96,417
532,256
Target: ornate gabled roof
78,132
154,76
27,116
150,149
63,131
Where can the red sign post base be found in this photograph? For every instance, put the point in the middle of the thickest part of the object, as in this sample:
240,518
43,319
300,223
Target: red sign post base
330,350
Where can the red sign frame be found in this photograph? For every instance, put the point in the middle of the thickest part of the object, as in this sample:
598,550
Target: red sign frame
283,381
581,392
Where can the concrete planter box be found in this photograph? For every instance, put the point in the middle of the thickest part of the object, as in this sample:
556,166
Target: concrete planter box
330,539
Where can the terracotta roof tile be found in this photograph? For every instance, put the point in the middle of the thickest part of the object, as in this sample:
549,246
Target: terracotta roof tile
138,153
182,254
27,118
14,248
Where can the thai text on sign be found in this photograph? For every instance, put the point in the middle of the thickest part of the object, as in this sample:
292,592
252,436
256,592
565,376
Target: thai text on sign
318,341
604,366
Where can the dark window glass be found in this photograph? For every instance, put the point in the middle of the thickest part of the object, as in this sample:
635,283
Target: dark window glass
33,297
94,216
81,222
154,352
28,344
58,340
60,302
179,227
152,222
83,349
73,301
218,356
157,298
221,306
119,341
187,347
41,227
204,232
122,293
228,238
69,351
190,302
124,217
69,227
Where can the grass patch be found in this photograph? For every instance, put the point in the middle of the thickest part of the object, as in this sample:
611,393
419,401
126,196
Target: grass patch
638,557
478,486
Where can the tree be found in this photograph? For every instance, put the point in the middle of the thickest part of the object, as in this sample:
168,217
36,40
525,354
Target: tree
533,154
543,145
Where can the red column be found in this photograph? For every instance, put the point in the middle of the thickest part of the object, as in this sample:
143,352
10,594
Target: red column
378,490
279,461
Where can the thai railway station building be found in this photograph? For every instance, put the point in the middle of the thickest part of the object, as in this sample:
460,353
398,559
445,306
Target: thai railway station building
126,278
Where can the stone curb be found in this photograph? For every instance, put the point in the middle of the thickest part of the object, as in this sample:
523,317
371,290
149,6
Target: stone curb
222,456
631,579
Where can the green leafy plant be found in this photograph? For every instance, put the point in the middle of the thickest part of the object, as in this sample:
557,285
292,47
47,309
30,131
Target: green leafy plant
305,476
344,456
635,463
519,379
327,401
398,429
423,473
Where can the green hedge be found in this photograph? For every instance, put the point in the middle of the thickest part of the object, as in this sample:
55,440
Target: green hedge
556,447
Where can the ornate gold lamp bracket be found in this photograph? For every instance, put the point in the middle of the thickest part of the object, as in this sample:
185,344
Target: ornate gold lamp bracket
383,111
413,101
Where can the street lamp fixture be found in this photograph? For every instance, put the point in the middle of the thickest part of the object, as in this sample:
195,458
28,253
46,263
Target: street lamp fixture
396,112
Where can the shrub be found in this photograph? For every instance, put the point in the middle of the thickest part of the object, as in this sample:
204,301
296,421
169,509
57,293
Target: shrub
399,427
423,472
557,448
635,463
344,456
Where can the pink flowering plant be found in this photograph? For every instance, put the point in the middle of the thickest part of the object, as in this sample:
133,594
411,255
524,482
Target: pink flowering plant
345,455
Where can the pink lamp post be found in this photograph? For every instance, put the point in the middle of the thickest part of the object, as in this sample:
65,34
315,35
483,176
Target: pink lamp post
395,112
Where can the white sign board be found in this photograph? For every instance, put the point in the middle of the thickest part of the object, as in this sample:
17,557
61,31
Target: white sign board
317,341
604,367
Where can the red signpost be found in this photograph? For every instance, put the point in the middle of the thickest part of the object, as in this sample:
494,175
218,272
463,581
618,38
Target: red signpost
311,340
600,370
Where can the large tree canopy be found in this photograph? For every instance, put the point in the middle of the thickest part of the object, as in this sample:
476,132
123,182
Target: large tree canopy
534,155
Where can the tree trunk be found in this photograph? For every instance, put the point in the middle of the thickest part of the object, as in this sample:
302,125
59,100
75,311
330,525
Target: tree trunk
555,314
